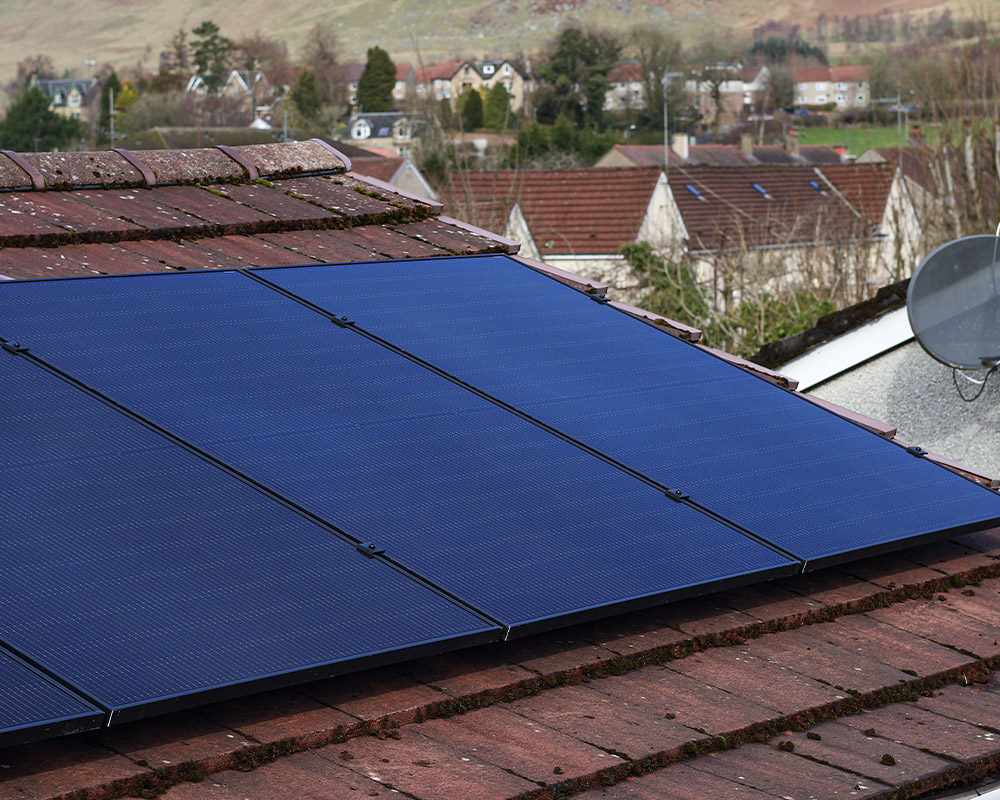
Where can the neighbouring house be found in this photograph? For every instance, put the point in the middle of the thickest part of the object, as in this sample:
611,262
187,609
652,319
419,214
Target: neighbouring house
351,74
626,91
740,94
865,679
482,73
398,171
791,225
76,98
681,151
406,83
433,81
756,224
249,91
394,129
844,88
563,217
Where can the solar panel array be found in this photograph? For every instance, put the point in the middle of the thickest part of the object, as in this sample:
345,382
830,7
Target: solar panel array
235,480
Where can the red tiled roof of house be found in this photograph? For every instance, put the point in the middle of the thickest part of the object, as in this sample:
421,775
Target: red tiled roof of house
865,186
106,212
569,211
763,204
846,72
872,680
625,71
384,169
402,70
442,70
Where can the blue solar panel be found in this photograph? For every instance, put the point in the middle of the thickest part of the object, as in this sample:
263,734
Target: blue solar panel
797,475
148,578
32,706
517,522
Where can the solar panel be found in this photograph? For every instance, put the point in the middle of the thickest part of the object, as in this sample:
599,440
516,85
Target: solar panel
528,528
797,475
149,579
33,706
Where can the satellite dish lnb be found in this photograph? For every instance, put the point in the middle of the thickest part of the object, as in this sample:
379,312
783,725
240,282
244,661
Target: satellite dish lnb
953,303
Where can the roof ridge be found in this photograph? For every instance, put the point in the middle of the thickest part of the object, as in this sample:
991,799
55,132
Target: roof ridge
120,168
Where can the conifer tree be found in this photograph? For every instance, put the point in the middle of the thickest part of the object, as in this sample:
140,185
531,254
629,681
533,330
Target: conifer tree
377,81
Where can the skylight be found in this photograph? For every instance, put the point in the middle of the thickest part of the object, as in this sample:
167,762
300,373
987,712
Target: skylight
693,189
762,190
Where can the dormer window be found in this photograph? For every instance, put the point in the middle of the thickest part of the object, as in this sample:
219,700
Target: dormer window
488,69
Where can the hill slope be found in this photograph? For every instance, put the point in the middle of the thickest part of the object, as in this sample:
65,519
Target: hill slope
127,32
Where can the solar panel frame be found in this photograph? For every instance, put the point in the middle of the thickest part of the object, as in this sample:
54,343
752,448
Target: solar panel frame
50,595
34,706
768,563
875,451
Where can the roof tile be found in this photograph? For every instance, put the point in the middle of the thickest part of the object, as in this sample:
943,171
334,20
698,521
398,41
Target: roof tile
291,158
64,170
204,165
420,766
567,210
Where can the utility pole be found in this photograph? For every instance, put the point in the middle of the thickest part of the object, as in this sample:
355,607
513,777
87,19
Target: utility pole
665,81
111,113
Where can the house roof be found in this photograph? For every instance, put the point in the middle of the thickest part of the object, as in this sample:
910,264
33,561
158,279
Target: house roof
845,73
442,70
107,212
853,681
780,204
866,187
647,155
374,166
567,210
89,88
625,71
403,70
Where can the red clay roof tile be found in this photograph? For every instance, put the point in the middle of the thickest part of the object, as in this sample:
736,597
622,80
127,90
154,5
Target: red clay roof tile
569,211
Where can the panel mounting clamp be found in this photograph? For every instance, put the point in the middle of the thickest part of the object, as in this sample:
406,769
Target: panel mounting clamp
14,347
342,322
369,549
677,495
919,452
599,298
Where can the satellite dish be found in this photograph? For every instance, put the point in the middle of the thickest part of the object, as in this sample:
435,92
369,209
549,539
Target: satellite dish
954,305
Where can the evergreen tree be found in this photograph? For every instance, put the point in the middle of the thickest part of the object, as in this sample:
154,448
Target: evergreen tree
472,110
30,125
211,53
497,107
306,97
377,81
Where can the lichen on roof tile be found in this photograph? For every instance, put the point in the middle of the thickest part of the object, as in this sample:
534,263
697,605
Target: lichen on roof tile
204,165
291,158
67,170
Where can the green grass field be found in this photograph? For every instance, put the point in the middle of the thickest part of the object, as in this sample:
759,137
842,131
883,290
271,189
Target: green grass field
856,138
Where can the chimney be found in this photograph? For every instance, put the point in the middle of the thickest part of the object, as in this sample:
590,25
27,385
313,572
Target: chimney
841,150
792,145
746,144
680,145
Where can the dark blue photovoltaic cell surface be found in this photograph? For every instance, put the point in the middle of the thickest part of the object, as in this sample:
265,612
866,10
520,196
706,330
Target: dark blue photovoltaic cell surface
33,706
775,464
510,518
140,573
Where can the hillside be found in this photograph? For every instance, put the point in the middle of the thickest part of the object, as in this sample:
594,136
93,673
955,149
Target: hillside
127,32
